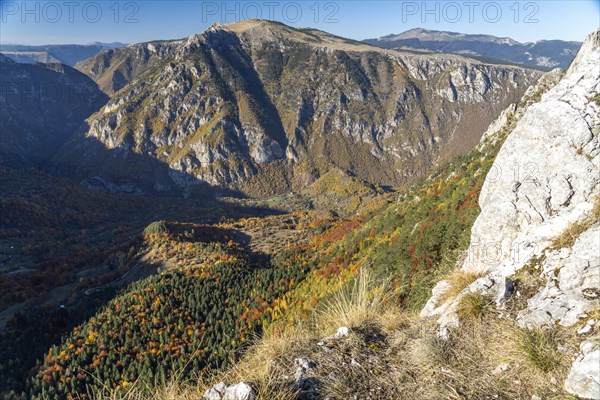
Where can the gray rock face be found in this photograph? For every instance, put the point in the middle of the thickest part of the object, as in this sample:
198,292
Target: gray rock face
545,177
113,69
545,180
241,391
584,376
259,103
572,286
216,392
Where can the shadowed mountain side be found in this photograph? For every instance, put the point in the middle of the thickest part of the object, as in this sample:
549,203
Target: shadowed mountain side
58,239
87,160
41,106
70,226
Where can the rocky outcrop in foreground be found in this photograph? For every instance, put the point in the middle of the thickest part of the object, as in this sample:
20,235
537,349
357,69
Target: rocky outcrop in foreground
540,216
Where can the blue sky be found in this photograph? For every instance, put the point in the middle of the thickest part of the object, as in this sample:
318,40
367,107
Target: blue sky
74,21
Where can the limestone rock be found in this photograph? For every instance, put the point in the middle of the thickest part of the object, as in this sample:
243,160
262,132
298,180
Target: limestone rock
222,391
342,332
216,392
241,391
545,181
584,377
563,299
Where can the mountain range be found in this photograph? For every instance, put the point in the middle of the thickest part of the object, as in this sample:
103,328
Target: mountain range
545,54
68,54
264,108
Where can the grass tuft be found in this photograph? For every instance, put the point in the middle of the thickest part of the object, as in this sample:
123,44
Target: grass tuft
472,306
569,236
538,348
361,305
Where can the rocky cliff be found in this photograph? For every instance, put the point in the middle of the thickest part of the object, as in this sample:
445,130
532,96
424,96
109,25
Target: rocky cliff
113,69
264,108
538,235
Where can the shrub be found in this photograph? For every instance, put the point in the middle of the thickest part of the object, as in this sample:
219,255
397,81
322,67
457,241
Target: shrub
156,228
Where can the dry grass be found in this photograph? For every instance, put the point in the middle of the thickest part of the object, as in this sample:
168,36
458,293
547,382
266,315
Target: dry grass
458,280
272,349
364,304
170,391
538,348
567,238
391,354
472,306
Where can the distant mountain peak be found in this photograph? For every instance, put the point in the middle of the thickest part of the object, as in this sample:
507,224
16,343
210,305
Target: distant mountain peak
266,31
540,54
433,35
112,45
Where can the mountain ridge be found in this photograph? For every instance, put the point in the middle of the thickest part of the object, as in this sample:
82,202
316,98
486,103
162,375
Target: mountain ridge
68,54
543,53
239,124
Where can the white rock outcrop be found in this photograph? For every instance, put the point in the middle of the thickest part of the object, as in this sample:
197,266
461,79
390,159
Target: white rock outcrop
572,284
545,180
222,391
584,377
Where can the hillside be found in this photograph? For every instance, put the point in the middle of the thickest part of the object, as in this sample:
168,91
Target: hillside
263,109
265,212
546,54
65,250
113,69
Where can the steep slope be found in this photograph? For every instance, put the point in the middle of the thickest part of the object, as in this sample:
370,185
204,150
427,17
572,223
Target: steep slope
265,108
68,54
543,54
41,106
113,69
539,228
